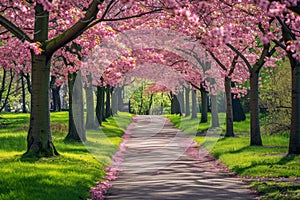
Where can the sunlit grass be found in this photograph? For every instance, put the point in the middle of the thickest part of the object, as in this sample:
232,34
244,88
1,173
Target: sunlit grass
271,160
277,190
68,176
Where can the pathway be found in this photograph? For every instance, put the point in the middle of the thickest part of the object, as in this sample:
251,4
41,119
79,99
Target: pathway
156,166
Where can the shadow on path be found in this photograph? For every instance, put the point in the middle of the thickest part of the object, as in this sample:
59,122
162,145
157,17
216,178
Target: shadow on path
156,166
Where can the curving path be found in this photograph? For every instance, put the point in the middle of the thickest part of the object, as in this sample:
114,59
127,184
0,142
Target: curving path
157,166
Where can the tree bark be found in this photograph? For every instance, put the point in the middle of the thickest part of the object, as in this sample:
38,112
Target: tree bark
56,98
99,105
76,131
108,103
255,136
90,115
237,109
114,102
180,97
214,111
39,138
150,104
194,105
294,144
120,98
229,114
8,89
141,100
175,105
187,102
24,110
204,105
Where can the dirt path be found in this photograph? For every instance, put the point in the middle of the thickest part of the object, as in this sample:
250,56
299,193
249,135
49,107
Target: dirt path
156,166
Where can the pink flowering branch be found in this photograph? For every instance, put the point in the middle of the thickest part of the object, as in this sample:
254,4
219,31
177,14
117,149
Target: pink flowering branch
19,33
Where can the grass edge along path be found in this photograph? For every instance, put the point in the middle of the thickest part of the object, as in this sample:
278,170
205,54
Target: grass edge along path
113,169
68,176
270,173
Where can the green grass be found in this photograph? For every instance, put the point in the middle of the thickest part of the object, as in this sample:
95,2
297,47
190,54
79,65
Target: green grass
271,160
68,176
277,190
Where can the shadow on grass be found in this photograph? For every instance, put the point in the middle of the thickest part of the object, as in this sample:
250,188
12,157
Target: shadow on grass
283,162
286,159
55,178
68,176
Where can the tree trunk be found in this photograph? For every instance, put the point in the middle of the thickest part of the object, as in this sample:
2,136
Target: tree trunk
90,115
24,110
194,105
108,107
187,102
237,109
4,104
103,104
180,97
76,111
114,102
100,103
141,100
56,98
214,111
204,105
39,138
294,145
175,105
255,137
120,98
150,104
229,114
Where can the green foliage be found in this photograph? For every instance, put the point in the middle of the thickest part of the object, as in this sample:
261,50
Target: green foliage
68,176
275,97
15,95
141,99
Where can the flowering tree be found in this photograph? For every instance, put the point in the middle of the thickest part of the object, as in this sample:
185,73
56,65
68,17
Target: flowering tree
287,15
40,29
45,27
270,21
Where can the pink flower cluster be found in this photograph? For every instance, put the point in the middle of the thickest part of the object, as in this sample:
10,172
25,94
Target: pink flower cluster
34,47
112,171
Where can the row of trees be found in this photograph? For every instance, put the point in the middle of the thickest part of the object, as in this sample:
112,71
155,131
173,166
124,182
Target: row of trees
46,31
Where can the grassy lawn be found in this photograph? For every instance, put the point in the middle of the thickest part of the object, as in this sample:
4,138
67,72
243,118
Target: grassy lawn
270,171
68,176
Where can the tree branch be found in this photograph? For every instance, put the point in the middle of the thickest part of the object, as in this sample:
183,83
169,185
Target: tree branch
76,30
122,18
261,61
133,16
285,27
233,64
11,27
217,60
240,55
278,43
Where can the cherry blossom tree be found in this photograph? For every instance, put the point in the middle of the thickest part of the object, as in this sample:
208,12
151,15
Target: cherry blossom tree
287,15
45,27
